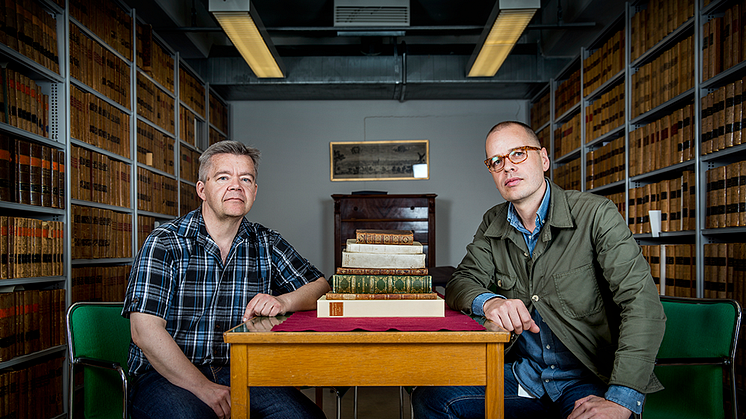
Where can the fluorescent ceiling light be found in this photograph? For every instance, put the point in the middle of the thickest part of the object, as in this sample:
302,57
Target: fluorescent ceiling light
244,28
509,20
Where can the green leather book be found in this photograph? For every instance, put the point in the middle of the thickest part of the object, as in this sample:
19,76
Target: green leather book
381,284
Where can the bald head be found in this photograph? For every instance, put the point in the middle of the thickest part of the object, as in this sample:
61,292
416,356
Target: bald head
531,138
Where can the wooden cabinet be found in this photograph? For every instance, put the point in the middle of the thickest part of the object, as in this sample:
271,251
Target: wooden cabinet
385,212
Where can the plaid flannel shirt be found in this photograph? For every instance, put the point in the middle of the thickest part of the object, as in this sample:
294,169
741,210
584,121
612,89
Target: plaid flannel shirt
178,275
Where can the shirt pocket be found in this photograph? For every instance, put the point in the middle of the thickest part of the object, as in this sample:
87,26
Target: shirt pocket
578,292
505,284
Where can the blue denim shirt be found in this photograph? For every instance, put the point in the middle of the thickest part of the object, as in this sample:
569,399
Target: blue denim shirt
548,367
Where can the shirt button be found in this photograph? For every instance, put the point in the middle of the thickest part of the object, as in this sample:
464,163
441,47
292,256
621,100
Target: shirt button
525,254
548,346
552,367
534,298
639,403
499,282
546,381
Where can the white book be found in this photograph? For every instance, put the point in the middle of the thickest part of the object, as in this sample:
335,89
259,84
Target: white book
382,260
380,308
354,247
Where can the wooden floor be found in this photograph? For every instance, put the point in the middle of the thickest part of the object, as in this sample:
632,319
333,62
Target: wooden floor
373,403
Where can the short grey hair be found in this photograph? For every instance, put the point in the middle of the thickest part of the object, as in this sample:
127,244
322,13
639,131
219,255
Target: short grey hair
227,147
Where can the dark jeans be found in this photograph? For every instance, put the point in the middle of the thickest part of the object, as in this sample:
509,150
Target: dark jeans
468,402
154,397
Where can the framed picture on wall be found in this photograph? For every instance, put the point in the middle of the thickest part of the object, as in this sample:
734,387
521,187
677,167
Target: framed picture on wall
380,160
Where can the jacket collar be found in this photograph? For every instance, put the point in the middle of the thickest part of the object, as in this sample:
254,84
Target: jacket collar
559,216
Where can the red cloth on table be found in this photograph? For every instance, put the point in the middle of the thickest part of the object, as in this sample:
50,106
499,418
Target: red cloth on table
307,321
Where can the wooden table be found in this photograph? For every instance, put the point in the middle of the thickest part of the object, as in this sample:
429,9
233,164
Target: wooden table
260,357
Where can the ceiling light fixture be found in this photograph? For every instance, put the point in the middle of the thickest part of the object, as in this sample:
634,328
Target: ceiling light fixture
507,22
244,28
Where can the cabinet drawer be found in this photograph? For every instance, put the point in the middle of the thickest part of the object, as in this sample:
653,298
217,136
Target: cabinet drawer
384,208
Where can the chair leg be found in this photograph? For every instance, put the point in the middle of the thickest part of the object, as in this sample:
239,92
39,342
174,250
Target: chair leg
339,405
354,408
401,402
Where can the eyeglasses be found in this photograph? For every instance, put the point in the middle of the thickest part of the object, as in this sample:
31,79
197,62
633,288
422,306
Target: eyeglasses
516,156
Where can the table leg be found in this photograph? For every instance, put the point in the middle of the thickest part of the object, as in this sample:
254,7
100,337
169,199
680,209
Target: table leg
239,382
494,391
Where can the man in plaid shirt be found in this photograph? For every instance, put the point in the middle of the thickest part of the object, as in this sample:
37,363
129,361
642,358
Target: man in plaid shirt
201,274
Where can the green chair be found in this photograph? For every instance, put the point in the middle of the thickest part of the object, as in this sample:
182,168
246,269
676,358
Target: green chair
98,338
695,362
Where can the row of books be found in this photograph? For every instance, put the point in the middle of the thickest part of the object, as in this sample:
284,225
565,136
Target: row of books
605,164
153,59
31,248
662,143
156,193
192,92
99,283
540,111
188,126
98,178
605,114
724,271
189,169
33,392
604,63
25,27
31,320
567,94
567,176
96,122
216,137
673,267
218,113
31,173
107,21
723,43
652,24
567,136
189,198
145,226
23,104
383,274
722,118
98,67
100,233
726,196
155,148
155,105
669,75
674,198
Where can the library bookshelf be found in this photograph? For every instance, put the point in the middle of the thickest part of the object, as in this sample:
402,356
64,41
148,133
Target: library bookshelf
650,115
101,128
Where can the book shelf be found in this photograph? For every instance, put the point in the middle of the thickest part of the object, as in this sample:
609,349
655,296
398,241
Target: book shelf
98,145
669,138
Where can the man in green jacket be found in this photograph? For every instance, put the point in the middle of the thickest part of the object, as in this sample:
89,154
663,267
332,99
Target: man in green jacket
562,267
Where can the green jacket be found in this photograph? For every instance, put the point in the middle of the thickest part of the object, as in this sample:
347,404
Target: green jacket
587,278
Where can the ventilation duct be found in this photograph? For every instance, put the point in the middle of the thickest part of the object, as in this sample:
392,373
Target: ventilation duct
367,13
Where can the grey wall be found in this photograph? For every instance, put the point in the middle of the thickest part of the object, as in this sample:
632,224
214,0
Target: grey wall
295,189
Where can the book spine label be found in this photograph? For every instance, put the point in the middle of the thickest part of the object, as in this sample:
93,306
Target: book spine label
377,237
381,271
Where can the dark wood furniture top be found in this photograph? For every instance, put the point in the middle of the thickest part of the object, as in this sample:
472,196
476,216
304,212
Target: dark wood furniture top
385,212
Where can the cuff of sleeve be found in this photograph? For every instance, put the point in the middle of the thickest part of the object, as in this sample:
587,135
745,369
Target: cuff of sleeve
626,397
477,306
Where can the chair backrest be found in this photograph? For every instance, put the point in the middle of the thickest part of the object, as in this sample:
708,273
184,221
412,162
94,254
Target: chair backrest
696,353
97,330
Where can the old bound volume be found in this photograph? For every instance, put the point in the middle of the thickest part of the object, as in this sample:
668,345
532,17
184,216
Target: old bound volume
381,271
384,236
380,308
407,296
383,260
354,246
381,284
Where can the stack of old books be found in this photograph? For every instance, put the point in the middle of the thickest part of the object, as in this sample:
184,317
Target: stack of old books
383,274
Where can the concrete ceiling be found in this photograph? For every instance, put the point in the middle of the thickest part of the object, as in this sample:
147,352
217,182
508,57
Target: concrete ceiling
425,60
